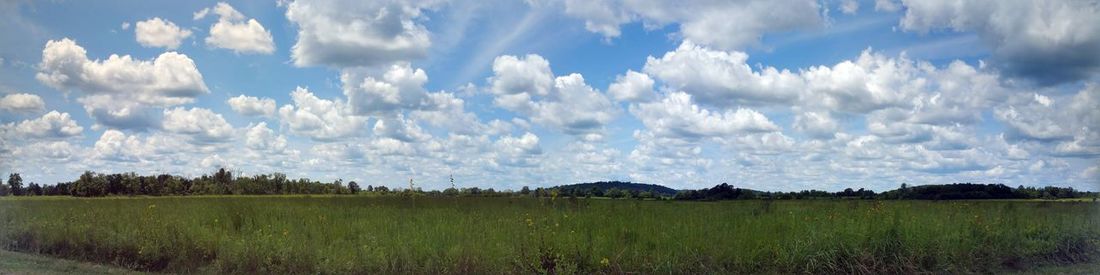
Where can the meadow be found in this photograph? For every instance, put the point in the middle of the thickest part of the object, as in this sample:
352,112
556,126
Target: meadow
394,234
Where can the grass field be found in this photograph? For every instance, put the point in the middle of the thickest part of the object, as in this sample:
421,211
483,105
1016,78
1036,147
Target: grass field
356,234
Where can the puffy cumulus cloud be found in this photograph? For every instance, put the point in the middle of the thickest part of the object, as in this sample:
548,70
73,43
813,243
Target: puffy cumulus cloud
676,116
119,88
232,32
117,146
956,94
1049,41
449,112
260,138
519,151
158,32
949,162
252,106
574,108
52,151
632,87
399,87
1036,117
565,103
342,33
819,125
21,103
870,82
399,128
719,78
654,152
118,151
109,111
722,24
528,144
201,124
1076,123
516,80
319,119
169,79
757,144
50,125
873,154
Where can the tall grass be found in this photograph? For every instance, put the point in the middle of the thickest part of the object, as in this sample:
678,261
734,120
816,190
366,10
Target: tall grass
348,234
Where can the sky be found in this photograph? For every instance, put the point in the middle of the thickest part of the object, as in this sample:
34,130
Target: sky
761,94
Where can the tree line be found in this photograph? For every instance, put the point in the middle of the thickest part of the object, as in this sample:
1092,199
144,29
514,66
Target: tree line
954,191
224,182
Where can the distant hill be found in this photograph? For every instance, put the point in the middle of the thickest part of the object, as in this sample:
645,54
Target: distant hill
603,186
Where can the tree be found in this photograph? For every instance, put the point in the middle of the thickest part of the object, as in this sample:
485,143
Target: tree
90,185
34,189
353,187
3,189
15,184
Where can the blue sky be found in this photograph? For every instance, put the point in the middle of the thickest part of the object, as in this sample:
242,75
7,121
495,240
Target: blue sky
770,95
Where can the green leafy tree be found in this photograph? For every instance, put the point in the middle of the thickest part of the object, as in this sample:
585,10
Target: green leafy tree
3,189
353,187
34,189
15,184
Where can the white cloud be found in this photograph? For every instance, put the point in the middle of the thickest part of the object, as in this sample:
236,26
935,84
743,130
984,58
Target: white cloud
632,87
1028,116
252,106
125,26
358,33
201,124
723,79
516,80
21,103
399,128
769,143
722,24
109,110
53,151
818,125
870,82
50,125
518,151
566,103
199,15
234,33
261,138
169,79
1050,41
450,113
117,146
399,87
118,89
158,32
319,119
676,116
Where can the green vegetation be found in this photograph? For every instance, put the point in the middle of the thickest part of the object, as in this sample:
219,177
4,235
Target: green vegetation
955,191
421,234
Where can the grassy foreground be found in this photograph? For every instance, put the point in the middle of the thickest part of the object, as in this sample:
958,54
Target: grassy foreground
349,234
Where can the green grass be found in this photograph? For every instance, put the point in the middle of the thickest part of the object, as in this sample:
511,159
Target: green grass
349,234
